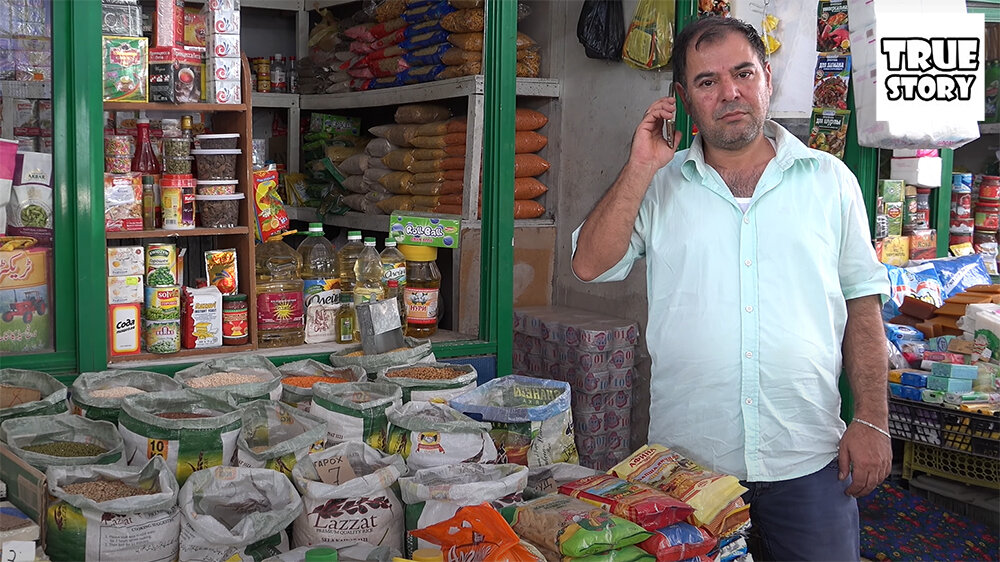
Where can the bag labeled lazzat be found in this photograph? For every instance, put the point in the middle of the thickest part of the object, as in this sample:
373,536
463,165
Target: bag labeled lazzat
270,217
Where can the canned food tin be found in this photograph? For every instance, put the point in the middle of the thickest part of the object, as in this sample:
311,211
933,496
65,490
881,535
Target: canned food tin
162,303
987,217
162,336
989,189
961,204
161,264
177,196
956,239
962,226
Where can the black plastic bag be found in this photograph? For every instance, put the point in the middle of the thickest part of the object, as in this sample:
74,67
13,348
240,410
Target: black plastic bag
601,29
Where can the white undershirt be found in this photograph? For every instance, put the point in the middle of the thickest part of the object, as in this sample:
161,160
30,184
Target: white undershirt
744,202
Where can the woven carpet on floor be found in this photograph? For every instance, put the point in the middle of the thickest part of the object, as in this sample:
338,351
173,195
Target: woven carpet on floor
899,525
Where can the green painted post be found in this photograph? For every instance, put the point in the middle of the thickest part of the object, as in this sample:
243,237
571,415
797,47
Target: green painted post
941,209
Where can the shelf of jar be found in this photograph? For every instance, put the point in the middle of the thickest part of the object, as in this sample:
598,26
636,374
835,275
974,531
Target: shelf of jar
190,107
163,233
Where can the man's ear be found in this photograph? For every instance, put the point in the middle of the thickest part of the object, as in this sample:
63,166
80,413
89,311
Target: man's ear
681,93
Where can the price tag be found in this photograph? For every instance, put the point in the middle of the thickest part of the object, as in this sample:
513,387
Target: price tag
334,470
157,447
18,551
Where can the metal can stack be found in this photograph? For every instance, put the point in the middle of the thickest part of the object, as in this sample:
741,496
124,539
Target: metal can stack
962,220
161,313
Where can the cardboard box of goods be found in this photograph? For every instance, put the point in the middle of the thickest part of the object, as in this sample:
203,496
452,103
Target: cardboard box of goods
891,190
27,487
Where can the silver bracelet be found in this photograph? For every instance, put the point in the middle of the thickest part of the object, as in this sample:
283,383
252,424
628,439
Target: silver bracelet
873,426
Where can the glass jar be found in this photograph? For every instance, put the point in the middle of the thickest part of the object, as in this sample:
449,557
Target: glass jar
235,325
422,291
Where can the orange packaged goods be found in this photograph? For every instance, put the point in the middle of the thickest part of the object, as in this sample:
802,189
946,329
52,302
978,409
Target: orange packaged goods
527,165
524,120
269,212
476,532
643,505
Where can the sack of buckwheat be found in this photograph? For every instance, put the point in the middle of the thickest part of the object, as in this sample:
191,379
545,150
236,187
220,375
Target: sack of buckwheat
426,381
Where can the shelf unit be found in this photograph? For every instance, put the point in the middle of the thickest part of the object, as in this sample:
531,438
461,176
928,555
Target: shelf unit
233,118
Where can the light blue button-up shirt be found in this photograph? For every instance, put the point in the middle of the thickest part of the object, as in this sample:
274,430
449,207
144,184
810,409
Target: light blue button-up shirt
747,310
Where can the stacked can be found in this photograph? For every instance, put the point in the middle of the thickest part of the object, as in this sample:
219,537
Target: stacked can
595,354
161,312
962,221
222,62
118,154
987,221
262,73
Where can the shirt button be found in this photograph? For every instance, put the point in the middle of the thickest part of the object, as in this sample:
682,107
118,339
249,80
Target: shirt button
749,309
749,354
746,219
749,401
748,263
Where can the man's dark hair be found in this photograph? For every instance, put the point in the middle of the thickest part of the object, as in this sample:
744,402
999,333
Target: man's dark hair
707,30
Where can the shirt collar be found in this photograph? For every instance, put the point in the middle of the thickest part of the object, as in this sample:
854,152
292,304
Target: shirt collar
789,150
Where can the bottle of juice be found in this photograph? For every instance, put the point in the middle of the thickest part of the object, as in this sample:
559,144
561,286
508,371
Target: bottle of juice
280,314
319,268
421,295
347,256
368,275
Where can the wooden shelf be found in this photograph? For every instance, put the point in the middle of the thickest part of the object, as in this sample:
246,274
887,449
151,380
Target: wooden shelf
146,359
360,221
191,232
189,107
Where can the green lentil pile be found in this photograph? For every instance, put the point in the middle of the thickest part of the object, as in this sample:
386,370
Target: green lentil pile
105,490
66,449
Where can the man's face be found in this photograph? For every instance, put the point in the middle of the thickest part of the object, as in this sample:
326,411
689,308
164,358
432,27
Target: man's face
726,92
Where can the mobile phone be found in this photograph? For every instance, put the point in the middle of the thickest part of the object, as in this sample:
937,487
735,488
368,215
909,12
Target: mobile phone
668,125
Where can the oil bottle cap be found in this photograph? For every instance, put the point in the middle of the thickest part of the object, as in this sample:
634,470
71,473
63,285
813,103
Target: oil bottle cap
354,235
390,242
316,227
370,241
418,253
322,554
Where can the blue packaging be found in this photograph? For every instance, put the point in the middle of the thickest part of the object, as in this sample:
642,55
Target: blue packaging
912,393
958,274
896,389
939,343
897,333
954,371
914,379
946,384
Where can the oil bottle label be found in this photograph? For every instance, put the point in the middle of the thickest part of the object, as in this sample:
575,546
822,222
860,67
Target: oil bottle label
395,271
279,311
324,291
345,328
421,305
363,295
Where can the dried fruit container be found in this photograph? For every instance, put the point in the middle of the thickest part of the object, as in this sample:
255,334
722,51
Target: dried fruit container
216,164
219,211
218,141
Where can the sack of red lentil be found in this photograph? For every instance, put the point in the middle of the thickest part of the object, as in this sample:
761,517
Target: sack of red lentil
429,434
434,494
415,351
98,395
276,436
531,418
236,513
348,494
298,378
62,440
426,381
30,393
190,431
355,411
246,377
112,513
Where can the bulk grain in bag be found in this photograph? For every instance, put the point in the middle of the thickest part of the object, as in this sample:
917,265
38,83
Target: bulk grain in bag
348,495
62,440
276,436
434,494
428,434
355,411
298,378
531,418
246,377
190,431
99,395
415,351
30,393
236,513
112,513
427,381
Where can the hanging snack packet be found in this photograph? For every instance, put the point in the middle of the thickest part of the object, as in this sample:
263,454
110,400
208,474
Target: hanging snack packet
828,130
573,527
643,505
220,270
269,212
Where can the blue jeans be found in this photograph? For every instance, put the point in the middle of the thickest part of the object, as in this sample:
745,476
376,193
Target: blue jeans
806,518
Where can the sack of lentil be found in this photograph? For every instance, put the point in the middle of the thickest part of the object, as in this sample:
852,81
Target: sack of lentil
276,436
98,395
190,431
298,378
355,411
531,418
434,494
246,377
63,440
236,513
415,351
573,527
543,480
112,513
427,381
30,393
428,434
348,494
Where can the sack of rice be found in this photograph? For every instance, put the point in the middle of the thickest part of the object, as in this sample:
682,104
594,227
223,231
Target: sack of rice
425,381
235,513
355,411
298,378
434,494
531,418
30,393
98,395
415,351
112,513
190,431
573,527
63,440
430,434
276,436
360,551
543,480
246,377
347,491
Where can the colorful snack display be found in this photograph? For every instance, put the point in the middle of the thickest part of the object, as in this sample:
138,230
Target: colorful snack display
643,505
572,527
220,269
828,130
125,68
831,81
122,202
269,211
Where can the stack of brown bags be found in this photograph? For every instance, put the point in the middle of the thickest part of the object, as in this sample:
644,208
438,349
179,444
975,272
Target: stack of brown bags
943,321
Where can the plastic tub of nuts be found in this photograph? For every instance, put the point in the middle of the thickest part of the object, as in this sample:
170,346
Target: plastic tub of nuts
218,211
222,140
216,164
217,187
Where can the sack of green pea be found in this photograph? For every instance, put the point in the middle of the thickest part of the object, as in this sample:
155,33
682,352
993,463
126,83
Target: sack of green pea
63,440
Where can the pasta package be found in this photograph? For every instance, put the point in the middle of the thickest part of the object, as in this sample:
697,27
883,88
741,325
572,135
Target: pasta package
572,527
643,505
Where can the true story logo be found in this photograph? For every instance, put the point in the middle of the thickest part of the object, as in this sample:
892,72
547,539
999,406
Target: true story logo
938,68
